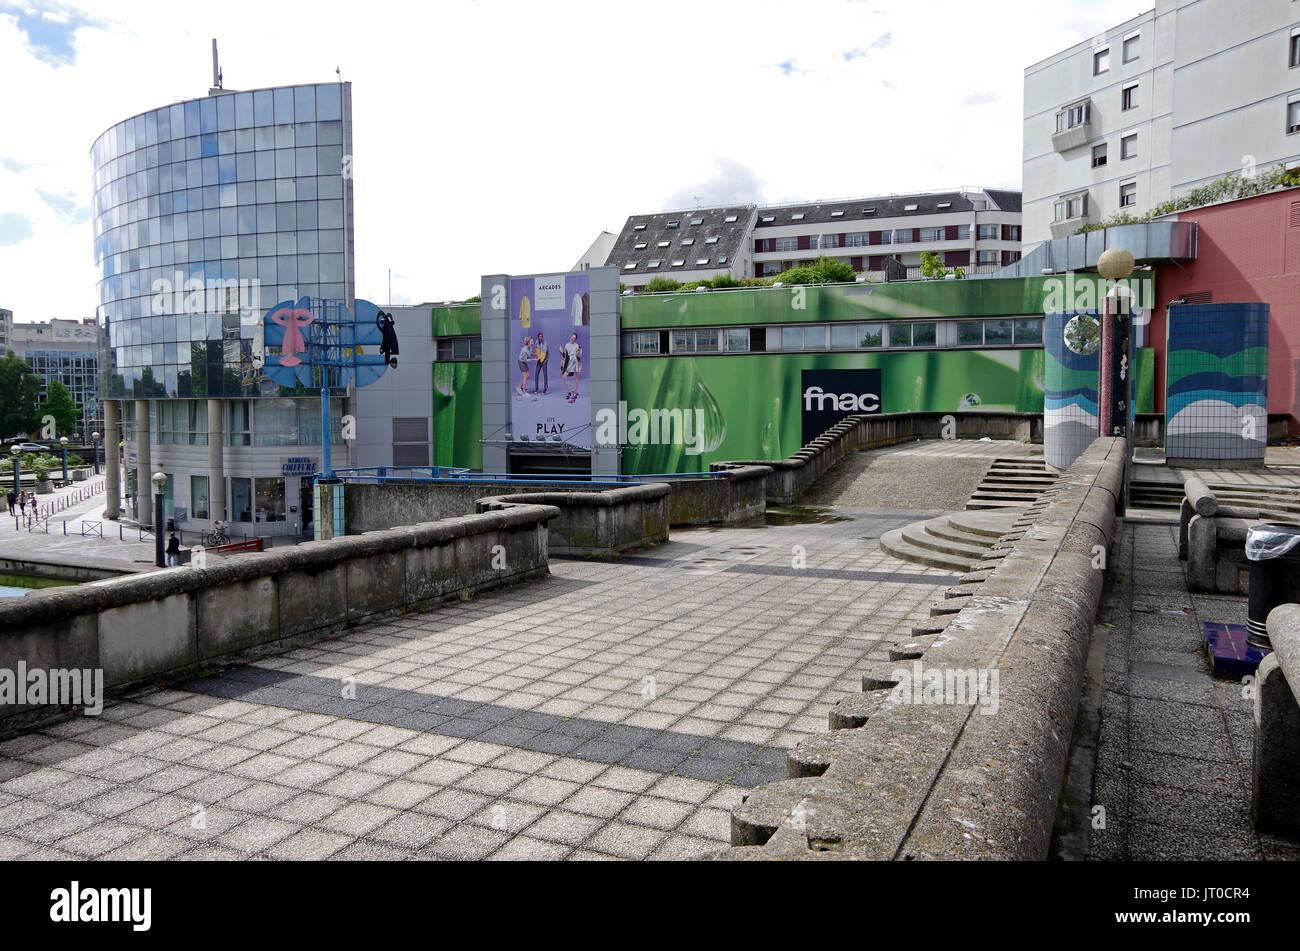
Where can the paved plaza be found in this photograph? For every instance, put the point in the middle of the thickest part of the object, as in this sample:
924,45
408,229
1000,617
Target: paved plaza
612,710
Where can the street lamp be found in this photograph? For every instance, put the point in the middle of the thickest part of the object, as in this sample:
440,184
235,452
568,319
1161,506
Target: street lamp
95,439
159,480
18,468
63,441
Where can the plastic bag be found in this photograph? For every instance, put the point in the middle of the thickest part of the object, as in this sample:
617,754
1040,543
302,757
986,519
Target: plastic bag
1271,540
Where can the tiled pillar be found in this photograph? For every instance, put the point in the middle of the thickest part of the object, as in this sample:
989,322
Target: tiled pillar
1071,343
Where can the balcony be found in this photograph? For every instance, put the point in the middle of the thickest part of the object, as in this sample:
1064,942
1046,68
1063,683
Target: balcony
1075,125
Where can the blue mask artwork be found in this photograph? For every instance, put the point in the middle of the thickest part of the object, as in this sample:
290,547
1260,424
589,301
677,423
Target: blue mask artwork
301,336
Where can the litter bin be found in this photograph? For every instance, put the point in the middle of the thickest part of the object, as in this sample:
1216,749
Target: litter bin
1273,550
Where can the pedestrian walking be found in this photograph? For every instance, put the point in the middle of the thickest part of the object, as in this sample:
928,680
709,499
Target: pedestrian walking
12,499
22,504
173,551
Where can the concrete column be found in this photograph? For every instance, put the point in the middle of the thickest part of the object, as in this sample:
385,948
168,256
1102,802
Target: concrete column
144,460
216,462
112,461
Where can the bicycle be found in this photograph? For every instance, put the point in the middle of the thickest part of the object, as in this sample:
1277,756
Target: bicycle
214,538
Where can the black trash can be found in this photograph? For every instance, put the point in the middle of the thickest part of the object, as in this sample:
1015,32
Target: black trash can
1273,550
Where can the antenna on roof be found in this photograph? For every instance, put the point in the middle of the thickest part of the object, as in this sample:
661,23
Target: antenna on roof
216,69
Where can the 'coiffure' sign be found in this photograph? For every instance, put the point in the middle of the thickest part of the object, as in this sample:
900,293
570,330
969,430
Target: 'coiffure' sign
830,395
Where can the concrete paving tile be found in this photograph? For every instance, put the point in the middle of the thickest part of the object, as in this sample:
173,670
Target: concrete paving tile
308,844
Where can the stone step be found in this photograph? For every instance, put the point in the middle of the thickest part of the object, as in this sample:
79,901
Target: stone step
916,534
992,525
944,528
991,505
895,544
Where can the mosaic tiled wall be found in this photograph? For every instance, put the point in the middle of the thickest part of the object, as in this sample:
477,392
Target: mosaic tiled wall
1069,385
1216,383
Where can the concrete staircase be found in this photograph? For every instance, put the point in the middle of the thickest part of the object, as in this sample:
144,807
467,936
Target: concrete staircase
1012,483
1167,494
956,541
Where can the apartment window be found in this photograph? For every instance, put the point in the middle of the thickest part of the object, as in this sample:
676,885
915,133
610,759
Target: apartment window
989,257
722,259
787,244
886,237
687,241
1099,155
638,227
963,232
837,214
797,216
1293,56
712,240
868,211
944,204
700,262
1101,61
1028,331
1132,47
804,338
997,333
679,262
644,341
695,341
736,340
1128,146
460,348
630,266
1129,97
199,496
1128,194
1074,115
931,234
654,263
269,499
830,241
674,224
663,244
697,221
856,336
1293,114
970,333
639,246
988,232
909,207
857,240
1013,233
729,219
912,335
1073,206
768,219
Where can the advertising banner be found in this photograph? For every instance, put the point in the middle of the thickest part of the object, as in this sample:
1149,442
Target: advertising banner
549,359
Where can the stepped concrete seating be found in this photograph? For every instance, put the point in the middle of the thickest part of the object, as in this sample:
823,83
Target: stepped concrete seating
1012,483
1212,538
957,541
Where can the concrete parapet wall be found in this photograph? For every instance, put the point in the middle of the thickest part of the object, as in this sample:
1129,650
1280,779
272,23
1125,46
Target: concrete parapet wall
973,776
598,524
162,623
1275,777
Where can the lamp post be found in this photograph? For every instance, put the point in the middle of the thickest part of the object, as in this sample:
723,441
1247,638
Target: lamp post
18,468
63,441
95,437
159,480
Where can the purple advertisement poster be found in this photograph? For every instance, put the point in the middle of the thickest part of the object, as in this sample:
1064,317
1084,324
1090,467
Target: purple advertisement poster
550,317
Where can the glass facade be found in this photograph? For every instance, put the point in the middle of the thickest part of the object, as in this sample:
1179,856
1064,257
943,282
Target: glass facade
206,213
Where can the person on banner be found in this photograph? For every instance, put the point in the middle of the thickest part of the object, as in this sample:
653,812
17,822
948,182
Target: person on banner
572,367
542,352
525,352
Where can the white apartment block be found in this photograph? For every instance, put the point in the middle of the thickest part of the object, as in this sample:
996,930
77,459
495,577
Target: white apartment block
975,229
1171,99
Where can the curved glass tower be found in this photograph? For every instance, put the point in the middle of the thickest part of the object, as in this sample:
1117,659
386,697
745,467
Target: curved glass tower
207,213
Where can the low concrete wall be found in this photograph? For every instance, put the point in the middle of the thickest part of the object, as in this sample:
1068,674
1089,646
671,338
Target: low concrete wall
906,775
598,524
161,623
793,476
57,571
732,496
1275,778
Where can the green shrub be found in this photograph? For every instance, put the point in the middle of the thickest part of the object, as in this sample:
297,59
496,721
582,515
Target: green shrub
659,285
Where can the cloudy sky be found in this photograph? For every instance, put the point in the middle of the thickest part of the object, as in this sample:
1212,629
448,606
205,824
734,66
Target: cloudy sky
503,136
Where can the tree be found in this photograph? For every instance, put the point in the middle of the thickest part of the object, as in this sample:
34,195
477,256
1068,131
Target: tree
19,391
58,403
932,267
822,271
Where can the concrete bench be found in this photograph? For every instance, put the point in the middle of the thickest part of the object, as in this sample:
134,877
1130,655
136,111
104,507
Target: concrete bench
1275,780
1212,539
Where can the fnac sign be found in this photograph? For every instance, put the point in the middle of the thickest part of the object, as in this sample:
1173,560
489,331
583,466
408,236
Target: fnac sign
827,396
